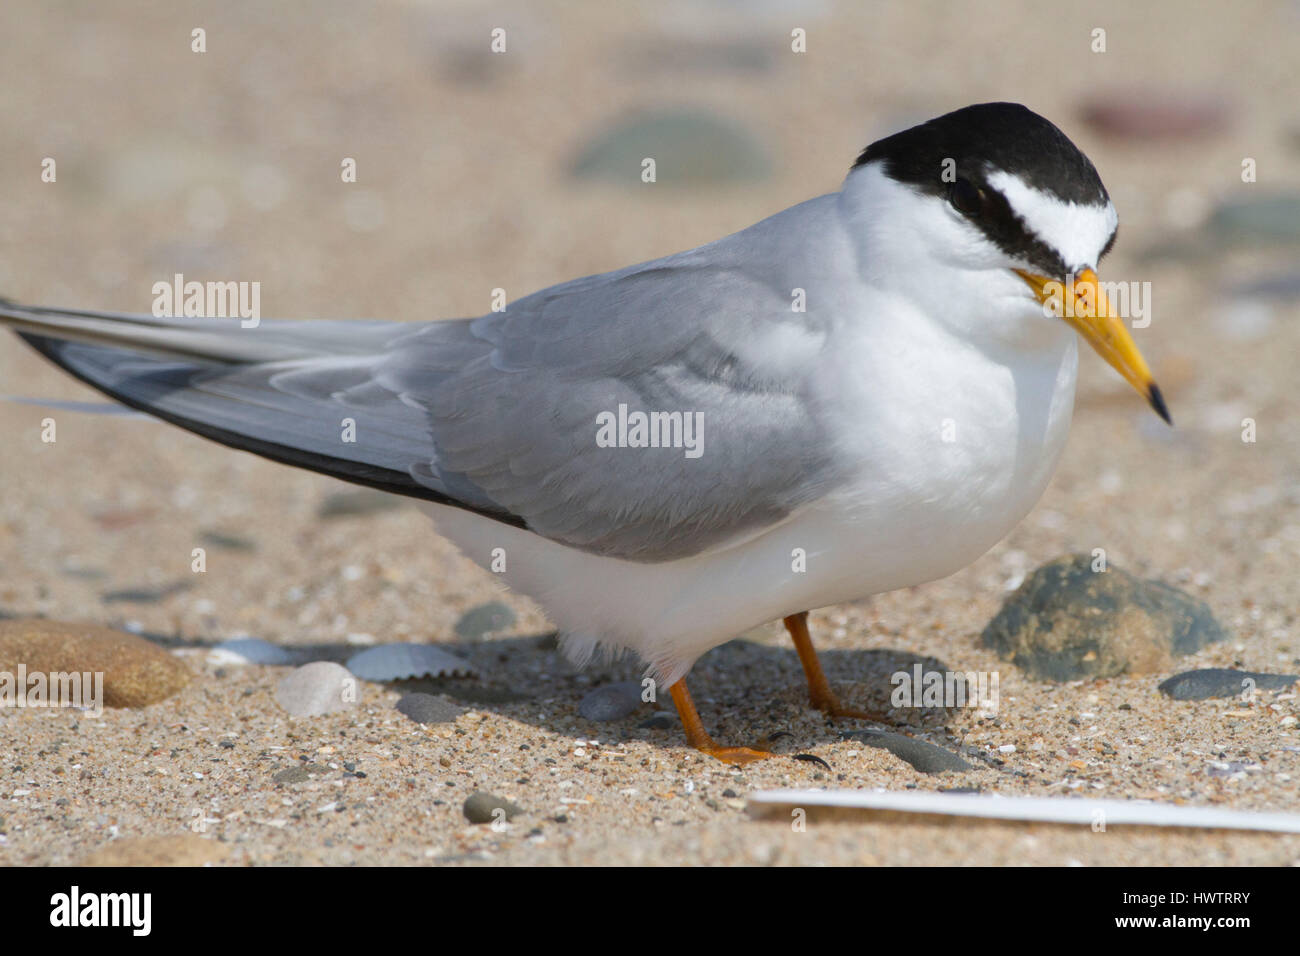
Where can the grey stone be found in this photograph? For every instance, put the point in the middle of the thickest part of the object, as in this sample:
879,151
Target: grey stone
1068,622
346,504
611,702
144,595
482,807
1221,682
226,542
478,622
253,650
921,754
299,773
1284,286
428,709
84,573
1269,219
678,54
690,148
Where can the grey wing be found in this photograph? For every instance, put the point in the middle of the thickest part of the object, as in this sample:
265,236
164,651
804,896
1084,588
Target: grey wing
516,400
501,414
322,412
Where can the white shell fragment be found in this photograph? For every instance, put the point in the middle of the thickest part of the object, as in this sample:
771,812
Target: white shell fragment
404,661
321,687
250,650
1068,810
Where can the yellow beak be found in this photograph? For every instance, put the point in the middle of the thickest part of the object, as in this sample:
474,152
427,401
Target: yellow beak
1084,306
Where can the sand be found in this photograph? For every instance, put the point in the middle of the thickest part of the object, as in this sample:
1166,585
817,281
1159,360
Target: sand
226,165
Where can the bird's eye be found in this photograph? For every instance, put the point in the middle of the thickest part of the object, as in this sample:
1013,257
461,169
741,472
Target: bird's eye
966,198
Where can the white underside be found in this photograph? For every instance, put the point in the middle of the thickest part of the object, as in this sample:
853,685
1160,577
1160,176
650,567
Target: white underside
924,508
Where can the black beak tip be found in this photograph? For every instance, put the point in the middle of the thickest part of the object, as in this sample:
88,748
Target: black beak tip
1157,401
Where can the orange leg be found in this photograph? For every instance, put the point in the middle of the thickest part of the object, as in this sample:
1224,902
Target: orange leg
698,737
819,689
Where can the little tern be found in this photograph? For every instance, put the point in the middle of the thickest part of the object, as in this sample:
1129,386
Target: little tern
863,392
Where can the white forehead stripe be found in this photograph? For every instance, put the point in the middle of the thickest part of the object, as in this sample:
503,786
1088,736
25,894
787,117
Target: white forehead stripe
1078,233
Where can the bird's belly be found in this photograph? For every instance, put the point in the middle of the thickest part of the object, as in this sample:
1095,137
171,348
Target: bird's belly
920,504
952,464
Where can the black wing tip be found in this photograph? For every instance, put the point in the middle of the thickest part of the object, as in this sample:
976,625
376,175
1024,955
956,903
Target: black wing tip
357,473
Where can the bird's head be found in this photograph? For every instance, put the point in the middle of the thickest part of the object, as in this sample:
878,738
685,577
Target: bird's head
996,221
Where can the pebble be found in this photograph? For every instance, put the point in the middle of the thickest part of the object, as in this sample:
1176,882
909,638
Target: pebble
144,595
921,754
1144,115
321,687
82,573
226,542
429,709
1283,286
479,622
1230,768
1221,682
1068,622
481,807
611,702
678,54
295,774
663,720
690,147
1265,219
251,650
346,504
136,672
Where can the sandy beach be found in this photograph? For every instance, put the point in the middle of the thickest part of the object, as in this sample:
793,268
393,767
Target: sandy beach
226,165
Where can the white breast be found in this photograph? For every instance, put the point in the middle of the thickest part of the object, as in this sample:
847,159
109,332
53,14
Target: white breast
926,500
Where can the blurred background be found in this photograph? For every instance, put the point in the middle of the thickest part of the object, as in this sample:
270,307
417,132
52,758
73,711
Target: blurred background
478,169
519,169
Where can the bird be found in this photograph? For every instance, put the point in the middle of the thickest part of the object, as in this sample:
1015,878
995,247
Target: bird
863,392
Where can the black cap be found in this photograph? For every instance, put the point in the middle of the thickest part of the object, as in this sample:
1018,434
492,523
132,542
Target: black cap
979,140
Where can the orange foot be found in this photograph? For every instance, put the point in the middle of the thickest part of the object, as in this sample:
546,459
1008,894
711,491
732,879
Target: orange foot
736,755
819,689
698,738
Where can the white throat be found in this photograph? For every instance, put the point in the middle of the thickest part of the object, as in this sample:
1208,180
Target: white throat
915,247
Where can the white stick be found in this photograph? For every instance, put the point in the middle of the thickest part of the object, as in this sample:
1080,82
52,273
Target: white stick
1038,809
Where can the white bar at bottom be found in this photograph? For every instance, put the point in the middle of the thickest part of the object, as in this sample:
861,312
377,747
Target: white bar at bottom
1035,809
